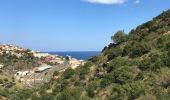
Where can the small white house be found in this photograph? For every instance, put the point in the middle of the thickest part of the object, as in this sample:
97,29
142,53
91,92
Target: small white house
21,73
39,55
1,66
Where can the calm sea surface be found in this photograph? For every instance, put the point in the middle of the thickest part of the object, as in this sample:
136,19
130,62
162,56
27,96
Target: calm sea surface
81,55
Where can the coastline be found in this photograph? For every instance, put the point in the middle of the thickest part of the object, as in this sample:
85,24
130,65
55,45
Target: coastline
80,55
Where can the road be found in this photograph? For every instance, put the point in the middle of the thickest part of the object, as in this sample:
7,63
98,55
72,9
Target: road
35,80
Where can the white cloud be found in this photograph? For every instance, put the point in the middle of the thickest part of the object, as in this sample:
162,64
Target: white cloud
137,1
106,1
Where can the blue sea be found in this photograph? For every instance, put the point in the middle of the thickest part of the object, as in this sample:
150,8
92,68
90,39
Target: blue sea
81,55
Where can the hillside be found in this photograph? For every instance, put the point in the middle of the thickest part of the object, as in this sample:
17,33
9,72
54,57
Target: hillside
135,66
27,69
14,59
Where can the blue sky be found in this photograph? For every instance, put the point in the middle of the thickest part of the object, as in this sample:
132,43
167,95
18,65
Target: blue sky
72,25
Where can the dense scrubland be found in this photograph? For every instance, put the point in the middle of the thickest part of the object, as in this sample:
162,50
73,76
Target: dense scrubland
135,66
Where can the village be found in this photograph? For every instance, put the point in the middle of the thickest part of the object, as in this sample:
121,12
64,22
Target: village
47,65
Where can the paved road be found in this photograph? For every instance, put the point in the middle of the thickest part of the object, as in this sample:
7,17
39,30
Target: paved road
37,79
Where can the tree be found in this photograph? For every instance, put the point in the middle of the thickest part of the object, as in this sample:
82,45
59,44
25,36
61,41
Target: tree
119,37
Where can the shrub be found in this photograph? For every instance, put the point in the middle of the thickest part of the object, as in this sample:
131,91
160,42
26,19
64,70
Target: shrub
104,83
94,59
68,73
165,82
152,64
1,81
4,92
110,77
163,41
135,89
119,37
138,49
124,75
118,93
91,89
139,76
117,62
84,70
5,79
55,73
114,52
21,95
168,45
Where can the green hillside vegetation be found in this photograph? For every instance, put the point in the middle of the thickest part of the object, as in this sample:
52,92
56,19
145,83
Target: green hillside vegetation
12,62
136,66
8,84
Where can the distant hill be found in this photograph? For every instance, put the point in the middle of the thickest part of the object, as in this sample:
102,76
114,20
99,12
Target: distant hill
136,66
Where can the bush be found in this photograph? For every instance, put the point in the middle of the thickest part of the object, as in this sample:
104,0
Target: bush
138,49
21,95
139,76
144,65
124,75
118,62
4,92
168,45
114,52
104,83
5,79
165,82
118,93
55,73
166,59
46,96
163,41
110,77
68,73
135,89
83,72
153,63
1,81
119,37
94,59
68,94
91,89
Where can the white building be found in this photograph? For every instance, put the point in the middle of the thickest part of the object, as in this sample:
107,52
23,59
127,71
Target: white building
1,66
22,73
42,68
39,55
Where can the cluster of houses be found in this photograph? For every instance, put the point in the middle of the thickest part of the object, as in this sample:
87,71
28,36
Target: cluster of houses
74,63
13,50
20,74
18,52
45,58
